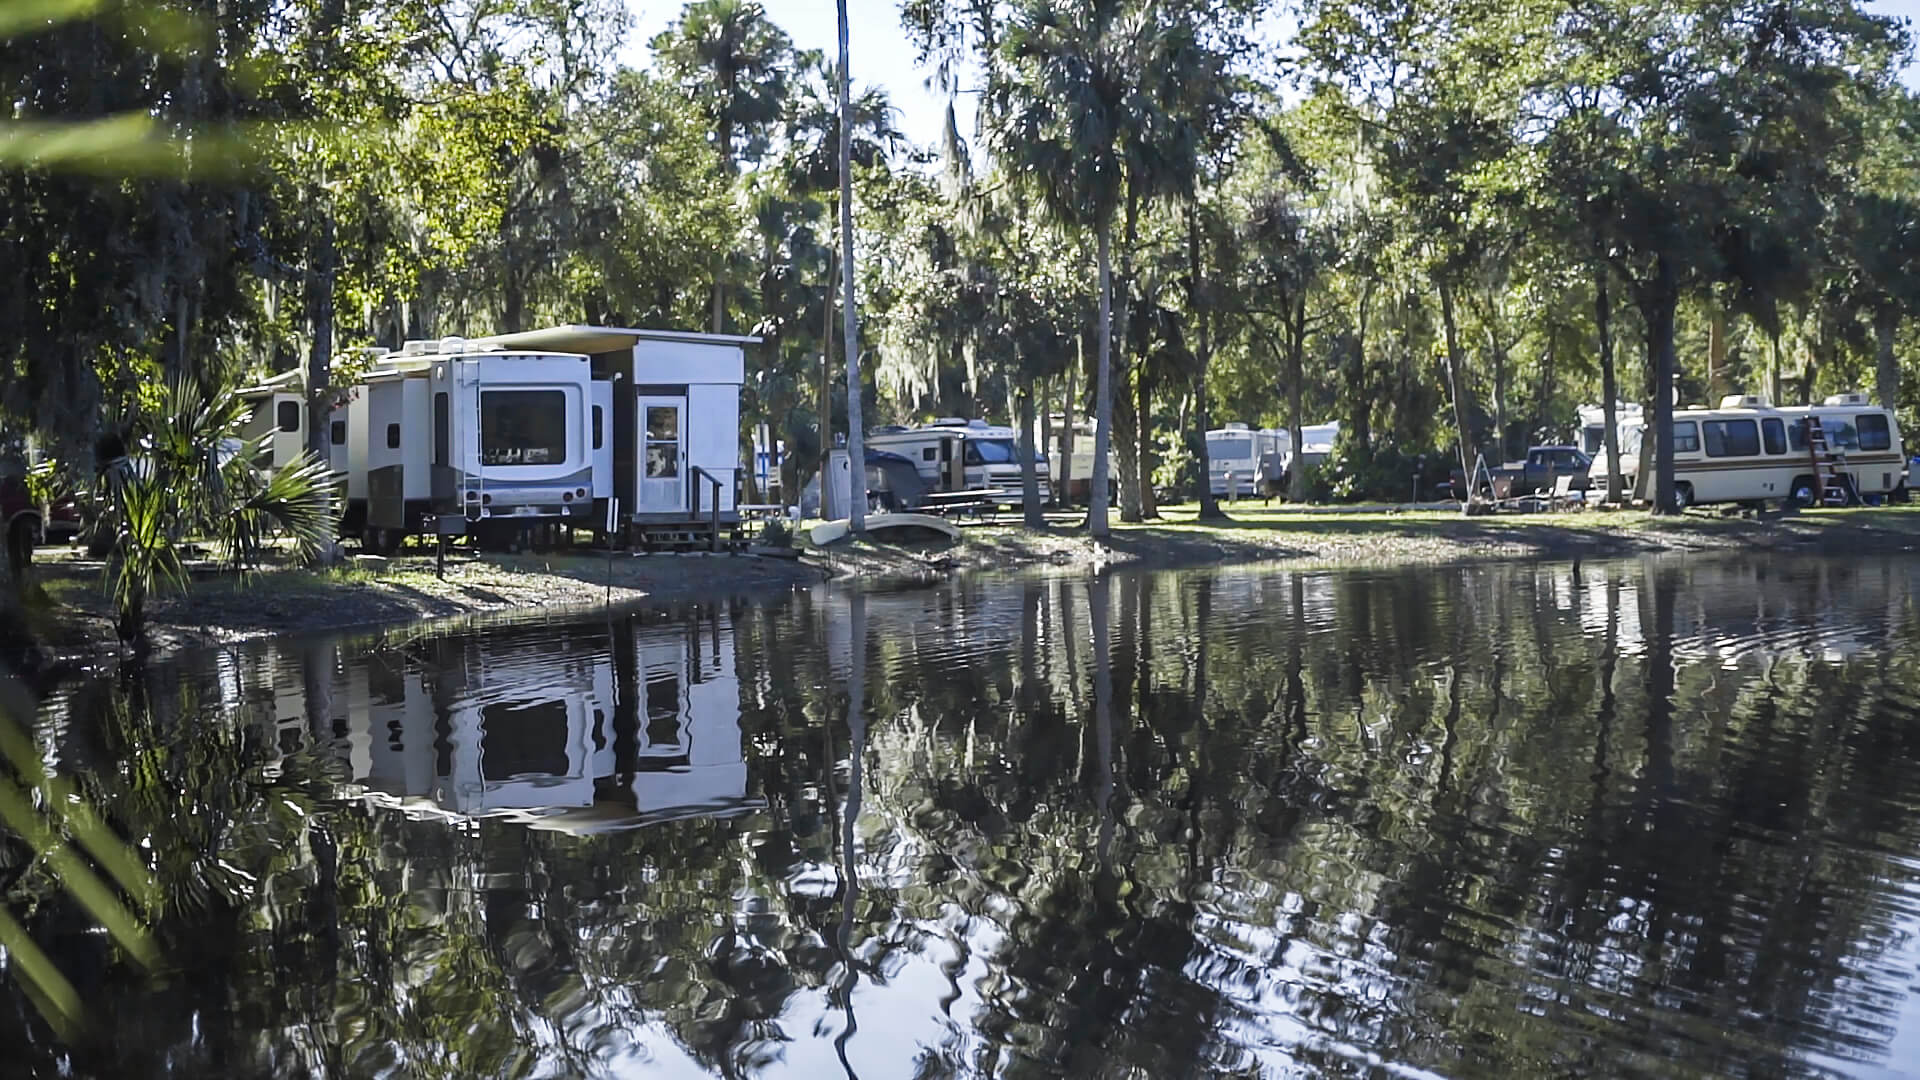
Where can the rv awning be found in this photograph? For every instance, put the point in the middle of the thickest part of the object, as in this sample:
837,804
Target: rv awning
603,339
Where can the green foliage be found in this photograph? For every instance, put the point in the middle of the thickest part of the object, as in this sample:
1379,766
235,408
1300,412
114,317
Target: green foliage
74,847
1178,467
776,533
194,473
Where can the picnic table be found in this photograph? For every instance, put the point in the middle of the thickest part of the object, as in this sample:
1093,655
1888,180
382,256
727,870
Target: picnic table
973,502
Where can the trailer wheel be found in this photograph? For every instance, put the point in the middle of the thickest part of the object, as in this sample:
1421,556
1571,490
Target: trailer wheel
1801,494
1682,496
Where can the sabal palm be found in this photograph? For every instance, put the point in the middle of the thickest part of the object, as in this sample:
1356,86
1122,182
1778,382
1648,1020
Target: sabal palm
1096,102
196,473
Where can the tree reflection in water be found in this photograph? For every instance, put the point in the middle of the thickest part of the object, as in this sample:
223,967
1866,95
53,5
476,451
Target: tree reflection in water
1641,819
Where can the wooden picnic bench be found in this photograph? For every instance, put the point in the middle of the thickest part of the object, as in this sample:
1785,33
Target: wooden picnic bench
974,502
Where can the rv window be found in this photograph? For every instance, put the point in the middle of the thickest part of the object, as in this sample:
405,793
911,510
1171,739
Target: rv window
1840,434
442,428
926,453
393,436
1229,448
289,416
599,438
523,427
1874,433
1774,433
1686,438
991,452
339,433
1731,438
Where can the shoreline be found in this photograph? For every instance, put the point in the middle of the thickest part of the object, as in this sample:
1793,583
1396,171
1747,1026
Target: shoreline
72,621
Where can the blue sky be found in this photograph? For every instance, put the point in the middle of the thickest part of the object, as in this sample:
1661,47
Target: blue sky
882,55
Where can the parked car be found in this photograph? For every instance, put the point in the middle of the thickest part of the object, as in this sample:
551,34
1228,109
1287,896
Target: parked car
1537,475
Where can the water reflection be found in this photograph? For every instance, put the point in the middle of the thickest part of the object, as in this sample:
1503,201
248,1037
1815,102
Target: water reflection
1640,819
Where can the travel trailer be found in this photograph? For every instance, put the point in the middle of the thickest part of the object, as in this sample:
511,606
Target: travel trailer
279,410
1238,455
1842,450
1628,421
957,455
454,429
670,453
1072,479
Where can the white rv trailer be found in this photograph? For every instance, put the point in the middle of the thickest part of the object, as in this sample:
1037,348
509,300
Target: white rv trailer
1316,445
1593,425
454,429
1627,418
279,409
1237,455
672,447
1749,451
953,454
1073,479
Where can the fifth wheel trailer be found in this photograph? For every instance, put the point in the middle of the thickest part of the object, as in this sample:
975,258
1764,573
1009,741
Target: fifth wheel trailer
457,431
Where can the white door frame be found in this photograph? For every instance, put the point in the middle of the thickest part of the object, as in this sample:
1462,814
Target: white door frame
661,494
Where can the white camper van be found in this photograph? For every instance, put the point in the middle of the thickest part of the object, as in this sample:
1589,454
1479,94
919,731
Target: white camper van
953,454
450,429
1238,454
1749,451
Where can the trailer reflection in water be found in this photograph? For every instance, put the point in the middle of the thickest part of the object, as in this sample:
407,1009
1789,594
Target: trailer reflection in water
563,730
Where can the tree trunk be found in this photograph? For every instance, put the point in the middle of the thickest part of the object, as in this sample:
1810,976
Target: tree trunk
1658,306
1886,374
826,363
1359,403
1497,352
1143,425
1071,405
1035,517
1103,388
1456,377
1774,393
850,332
1125,455
1203,357
1296,374
320,356
1716,351
1543,406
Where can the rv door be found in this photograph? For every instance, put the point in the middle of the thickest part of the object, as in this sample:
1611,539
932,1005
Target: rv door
663,453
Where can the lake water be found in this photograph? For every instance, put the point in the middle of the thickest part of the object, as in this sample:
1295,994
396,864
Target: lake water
1653,818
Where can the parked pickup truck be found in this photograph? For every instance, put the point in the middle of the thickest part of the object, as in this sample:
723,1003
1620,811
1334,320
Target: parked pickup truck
1537,475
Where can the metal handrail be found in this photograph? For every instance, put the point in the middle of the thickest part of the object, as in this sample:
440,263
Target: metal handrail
696,474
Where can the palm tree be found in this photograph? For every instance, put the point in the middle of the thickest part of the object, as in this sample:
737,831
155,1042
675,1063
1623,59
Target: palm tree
856,451
1100,104
735,64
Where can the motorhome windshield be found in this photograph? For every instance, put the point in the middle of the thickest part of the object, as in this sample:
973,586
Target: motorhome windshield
1231,447
523,427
